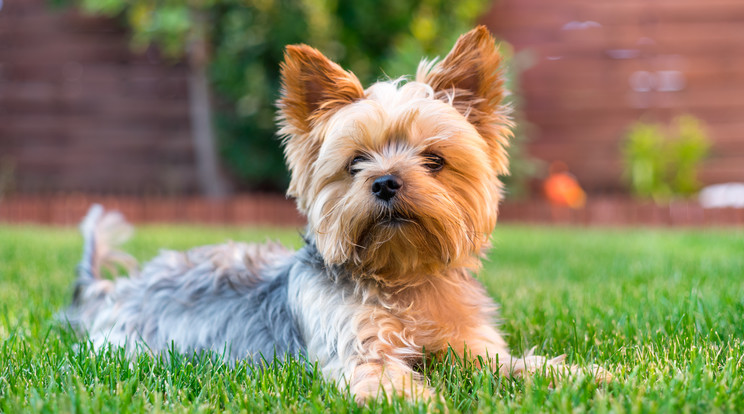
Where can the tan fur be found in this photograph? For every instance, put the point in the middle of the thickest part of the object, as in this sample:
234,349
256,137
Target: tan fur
414,275
471,75
312,87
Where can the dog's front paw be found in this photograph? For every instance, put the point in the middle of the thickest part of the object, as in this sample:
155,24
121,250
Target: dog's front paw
601,375
557,367
389,384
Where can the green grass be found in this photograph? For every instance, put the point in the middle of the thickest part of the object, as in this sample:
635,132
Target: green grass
663,310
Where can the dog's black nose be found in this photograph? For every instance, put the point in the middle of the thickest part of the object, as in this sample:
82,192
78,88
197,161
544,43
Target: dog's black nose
386,186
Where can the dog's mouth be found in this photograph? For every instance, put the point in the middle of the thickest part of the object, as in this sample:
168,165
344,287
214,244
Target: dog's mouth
394,218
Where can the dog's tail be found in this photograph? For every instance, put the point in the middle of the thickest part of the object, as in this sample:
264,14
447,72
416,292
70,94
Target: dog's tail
103,231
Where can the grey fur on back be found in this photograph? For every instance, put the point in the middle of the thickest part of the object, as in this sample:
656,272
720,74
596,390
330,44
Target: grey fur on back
230,298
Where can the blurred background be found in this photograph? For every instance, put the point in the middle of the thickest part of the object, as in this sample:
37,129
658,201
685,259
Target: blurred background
628,112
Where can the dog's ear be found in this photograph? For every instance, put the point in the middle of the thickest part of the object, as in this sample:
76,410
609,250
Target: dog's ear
471,79
312,86
471,73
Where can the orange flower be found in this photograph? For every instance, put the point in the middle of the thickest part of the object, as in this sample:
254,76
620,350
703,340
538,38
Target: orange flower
561,187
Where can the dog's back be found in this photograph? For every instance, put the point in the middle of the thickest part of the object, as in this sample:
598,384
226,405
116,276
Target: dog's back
229,298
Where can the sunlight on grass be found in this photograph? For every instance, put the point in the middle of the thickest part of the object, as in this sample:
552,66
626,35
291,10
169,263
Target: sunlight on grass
663,310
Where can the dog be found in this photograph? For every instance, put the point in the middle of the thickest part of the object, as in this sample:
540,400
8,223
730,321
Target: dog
400,186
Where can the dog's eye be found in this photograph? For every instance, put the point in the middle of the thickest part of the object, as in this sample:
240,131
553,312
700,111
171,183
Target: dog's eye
352,164
433,162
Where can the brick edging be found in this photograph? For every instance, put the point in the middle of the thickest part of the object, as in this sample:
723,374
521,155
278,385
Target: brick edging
271,209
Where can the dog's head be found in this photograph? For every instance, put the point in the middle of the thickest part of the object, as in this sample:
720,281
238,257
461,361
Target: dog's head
399,179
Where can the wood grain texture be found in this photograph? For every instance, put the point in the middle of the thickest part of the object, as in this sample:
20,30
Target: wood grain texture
80,111
581,56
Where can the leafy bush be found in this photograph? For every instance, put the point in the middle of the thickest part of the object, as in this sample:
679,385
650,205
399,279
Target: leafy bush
663,162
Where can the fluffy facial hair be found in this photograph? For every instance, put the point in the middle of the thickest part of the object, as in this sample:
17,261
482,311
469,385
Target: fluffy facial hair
339,138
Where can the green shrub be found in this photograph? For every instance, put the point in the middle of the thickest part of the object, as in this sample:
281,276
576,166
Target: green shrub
663,162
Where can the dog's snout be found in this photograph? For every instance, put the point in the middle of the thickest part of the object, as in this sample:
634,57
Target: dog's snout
386,187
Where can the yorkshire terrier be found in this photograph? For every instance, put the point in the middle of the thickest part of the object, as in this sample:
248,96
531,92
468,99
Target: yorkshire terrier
400,186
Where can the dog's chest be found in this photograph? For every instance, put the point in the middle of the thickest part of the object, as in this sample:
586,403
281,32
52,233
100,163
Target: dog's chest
430,321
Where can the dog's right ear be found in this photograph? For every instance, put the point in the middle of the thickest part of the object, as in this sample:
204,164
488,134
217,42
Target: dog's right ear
312,86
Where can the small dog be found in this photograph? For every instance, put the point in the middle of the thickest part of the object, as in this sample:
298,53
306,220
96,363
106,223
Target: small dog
400,186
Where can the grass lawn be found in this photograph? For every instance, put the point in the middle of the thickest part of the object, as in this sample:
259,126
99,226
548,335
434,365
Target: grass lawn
663,310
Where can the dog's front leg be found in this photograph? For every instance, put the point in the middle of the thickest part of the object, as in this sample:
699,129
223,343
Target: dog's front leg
383,378
471,332
382,363
486,342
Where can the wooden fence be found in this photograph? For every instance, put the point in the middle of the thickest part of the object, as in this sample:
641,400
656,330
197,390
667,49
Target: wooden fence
80,111
275,210
587,69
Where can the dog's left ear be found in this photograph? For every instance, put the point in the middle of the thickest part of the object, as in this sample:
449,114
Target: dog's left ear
470,77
